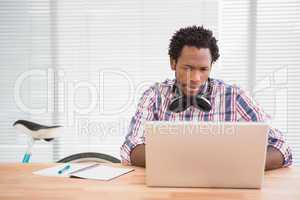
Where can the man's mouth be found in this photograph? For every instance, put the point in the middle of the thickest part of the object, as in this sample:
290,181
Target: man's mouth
192,89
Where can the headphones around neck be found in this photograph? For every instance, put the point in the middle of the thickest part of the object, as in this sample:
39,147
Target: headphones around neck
180,102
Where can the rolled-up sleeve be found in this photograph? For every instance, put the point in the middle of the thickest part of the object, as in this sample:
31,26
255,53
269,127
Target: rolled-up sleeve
135,136
249,110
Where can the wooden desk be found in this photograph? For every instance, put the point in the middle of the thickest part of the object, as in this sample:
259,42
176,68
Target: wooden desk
18,182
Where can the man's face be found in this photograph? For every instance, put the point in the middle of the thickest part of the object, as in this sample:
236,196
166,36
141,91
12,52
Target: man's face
192,69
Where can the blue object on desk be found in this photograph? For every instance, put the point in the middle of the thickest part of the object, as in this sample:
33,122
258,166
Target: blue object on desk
64,169
26,158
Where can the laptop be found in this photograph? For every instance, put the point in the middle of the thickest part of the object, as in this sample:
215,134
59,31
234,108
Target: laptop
205,154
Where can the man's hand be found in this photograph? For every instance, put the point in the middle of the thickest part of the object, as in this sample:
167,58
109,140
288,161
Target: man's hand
274,158
137,156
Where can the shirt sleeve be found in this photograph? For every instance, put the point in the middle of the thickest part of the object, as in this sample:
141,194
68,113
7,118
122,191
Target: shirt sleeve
135,136
249,110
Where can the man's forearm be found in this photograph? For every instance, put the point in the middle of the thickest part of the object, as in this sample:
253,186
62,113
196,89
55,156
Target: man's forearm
137,156
274,158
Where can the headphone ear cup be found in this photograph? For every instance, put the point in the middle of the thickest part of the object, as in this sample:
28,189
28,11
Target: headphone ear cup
203,103
178,104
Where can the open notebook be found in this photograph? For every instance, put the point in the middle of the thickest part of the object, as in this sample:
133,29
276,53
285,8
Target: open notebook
84,170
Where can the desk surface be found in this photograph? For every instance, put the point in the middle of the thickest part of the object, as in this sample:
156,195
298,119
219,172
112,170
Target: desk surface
18,182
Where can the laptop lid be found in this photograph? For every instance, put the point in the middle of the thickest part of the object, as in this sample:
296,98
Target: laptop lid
205,154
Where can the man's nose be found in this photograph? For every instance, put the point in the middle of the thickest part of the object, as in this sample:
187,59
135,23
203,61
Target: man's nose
195,76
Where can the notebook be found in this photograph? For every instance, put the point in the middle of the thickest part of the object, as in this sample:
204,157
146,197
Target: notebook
84,170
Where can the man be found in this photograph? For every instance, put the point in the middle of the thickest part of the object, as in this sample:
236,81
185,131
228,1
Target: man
192,52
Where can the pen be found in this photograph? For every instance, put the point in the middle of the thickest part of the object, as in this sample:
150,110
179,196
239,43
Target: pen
64,169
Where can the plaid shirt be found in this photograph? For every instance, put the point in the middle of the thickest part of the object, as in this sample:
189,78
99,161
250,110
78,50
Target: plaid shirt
229,103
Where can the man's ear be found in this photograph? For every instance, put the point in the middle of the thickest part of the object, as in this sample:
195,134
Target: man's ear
173,64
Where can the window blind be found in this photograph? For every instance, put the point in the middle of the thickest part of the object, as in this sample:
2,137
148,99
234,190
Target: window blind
234,42
25,51
277,66
111,51
261,53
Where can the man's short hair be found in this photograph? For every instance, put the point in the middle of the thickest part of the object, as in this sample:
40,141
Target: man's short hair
195,36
